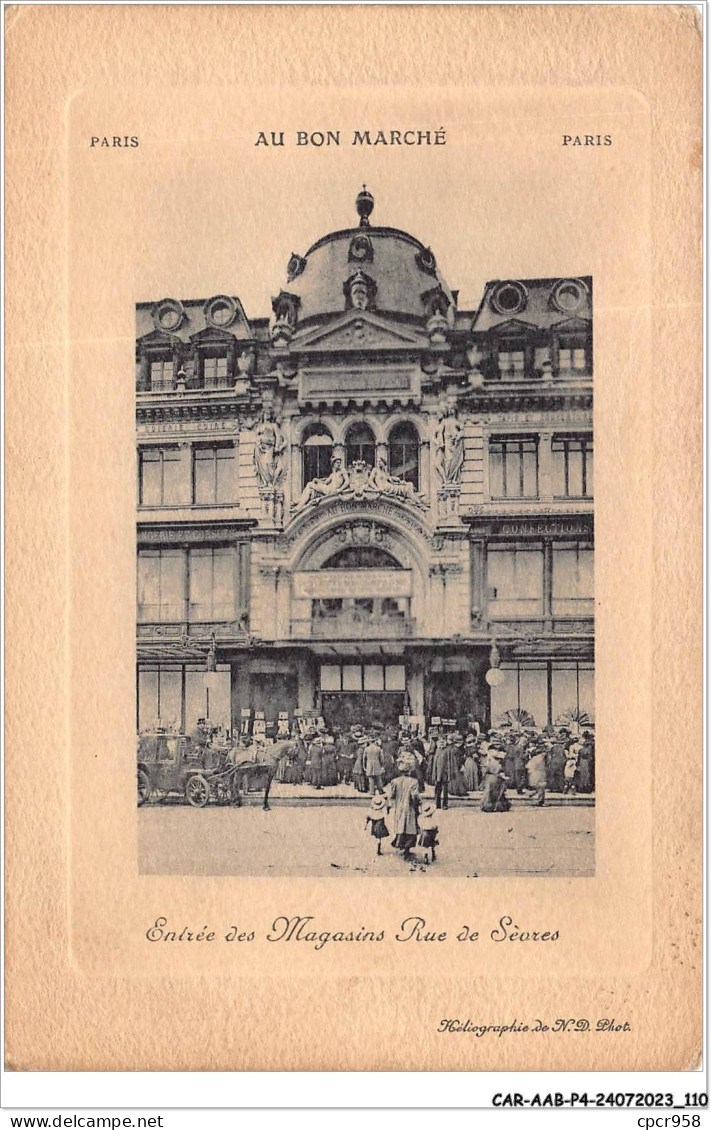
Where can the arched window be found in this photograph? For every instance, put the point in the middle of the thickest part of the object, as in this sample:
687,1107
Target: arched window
317,449
404,454
362,557
360,444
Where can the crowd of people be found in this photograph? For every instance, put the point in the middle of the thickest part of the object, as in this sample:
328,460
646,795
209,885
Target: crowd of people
455,764
396,768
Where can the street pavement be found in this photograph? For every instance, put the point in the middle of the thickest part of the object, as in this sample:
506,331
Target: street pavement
322,839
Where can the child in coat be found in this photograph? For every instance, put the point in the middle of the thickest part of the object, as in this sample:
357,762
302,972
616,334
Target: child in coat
428,830
376,819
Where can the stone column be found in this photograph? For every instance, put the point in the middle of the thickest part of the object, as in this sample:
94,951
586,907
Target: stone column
437,604
186,473
545,467
449,600
425,484
270,585
308,681
477,579
548,582
239,686
283,606
416,687
293,486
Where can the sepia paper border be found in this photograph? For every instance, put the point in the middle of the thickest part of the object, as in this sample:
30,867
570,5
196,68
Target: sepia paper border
81,992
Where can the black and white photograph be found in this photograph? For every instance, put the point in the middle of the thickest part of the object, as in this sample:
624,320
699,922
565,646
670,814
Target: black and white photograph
365,579
353,717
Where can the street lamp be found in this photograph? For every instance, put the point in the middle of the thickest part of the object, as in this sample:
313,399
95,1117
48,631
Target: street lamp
494,676
211,678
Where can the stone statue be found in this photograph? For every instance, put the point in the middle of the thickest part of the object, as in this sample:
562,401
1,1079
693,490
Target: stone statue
359,290
269,451
449,447
317,489
382,482
359,481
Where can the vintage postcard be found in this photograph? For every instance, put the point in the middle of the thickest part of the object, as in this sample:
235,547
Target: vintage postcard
354,386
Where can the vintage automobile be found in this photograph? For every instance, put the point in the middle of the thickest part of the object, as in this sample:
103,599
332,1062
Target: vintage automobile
170,765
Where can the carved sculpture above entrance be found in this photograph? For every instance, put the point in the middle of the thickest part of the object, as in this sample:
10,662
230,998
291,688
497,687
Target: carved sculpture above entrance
359,481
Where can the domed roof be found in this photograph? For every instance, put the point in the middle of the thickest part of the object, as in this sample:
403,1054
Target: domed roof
392,271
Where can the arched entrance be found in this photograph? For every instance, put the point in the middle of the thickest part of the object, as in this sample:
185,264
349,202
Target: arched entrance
357,592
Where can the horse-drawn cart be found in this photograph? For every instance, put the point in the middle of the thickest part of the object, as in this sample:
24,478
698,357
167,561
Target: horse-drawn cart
170,765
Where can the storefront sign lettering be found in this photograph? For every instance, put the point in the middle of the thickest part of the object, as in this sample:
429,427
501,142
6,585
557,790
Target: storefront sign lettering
329,583
551,526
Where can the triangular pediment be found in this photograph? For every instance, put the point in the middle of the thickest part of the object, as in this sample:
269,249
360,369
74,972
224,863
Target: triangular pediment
158,337
512,327
572,325
212,335
359,329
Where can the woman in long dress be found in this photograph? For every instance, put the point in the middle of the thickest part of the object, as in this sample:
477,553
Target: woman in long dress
457,784
315,768
470,769
494,797
329,769
404,796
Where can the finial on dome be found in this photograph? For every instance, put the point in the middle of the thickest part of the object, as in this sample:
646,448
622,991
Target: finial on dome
365,204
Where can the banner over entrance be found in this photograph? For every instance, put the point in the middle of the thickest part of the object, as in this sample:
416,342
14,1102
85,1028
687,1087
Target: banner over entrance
325,583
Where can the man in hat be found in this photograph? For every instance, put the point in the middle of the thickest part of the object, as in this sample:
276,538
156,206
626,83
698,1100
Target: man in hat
345,757
359,778
315,768
373,765
444,769
199,738
470,769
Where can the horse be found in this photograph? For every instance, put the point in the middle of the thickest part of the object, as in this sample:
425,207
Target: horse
256,772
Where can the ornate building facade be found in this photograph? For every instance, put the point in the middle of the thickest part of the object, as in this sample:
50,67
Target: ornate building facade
364,501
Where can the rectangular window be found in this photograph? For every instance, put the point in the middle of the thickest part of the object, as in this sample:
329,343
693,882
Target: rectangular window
213,704
159,698
395,677
513,466
161,375
212,584
214,371
572,691
511,364
515,581
352,677
525,687
214,475
161,585
572,466
373,677
317,454
330,677
572,358
161,477
573,580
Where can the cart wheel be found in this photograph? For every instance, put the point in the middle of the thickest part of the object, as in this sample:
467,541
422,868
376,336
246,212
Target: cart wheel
197,791
144,787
